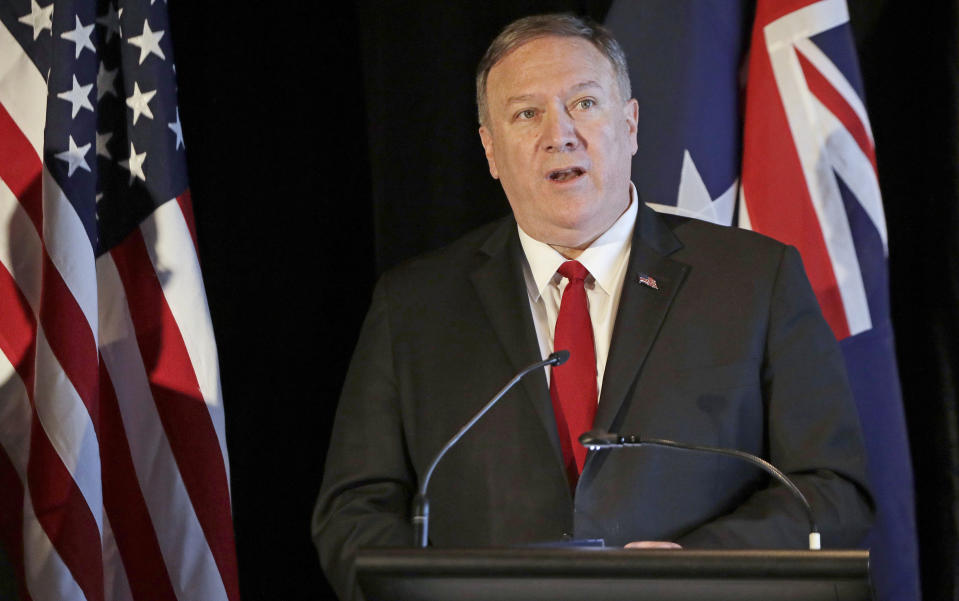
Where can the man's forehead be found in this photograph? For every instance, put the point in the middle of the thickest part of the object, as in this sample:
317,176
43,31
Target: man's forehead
559,57
574,89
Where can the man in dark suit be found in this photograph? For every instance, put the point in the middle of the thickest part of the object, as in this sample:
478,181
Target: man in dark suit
694,332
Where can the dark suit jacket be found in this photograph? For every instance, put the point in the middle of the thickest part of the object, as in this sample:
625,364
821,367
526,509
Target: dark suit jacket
730,351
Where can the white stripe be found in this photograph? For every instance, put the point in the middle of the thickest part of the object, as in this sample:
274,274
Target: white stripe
801,112
805,23
23,91
48,578
68,426
116,587
170,246
838,81
854,167
182,542
69,249
21,252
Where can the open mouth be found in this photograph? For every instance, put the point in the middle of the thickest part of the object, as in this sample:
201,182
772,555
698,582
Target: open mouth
565,175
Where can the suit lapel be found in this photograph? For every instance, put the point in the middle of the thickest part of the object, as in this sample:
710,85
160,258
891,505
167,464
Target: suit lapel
501,289
642,309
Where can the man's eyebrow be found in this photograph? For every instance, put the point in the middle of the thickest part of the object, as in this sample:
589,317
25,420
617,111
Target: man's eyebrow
585,84
576,88
520,98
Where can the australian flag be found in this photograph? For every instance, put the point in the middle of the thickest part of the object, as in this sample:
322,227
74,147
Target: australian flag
796,161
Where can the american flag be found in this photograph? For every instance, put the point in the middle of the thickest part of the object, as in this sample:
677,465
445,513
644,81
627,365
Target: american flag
113,465
809,178
648,281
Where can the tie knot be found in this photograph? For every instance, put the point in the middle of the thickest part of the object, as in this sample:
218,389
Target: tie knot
573,271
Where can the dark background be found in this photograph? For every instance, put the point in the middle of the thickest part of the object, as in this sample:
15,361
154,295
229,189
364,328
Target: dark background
328,142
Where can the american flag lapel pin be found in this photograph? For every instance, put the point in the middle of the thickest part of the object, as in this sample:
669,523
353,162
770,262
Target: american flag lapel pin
648,280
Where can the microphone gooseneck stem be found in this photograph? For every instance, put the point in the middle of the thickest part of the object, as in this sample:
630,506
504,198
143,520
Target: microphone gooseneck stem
421,505
421,521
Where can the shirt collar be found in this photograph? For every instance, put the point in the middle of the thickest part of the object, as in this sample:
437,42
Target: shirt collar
601,258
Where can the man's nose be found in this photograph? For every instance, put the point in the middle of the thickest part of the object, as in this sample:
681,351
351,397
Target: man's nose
559,131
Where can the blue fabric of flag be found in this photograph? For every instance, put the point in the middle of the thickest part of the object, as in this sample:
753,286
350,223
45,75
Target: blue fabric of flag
684,60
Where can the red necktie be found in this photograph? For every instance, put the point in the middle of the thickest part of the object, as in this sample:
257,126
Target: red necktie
573,384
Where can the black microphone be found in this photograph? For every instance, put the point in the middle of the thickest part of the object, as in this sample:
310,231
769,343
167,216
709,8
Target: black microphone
598,440
421,506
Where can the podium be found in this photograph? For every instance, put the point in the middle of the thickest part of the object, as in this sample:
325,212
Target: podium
518,574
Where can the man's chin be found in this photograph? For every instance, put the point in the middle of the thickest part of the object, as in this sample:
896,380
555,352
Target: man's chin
573,236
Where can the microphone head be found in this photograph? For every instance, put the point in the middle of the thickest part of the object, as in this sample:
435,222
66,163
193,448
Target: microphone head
598,439
559,357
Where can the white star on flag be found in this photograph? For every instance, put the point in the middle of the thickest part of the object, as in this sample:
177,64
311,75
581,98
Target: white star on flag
140,103
38,18
80,36
111,21
74,157
135,164
78,96
102,140
148,42
177,129
105,81
693,199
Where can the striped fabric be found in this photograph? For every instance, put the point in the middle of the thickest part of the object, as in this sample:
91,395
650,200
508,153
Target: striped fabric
113,465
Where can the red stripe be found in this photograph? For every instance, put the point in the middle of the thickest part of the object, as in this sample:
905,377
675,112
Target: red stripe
185,201
18,329
70,337
63,512
20,168
126,507
11,518
778,201
180,405
837,105
770,10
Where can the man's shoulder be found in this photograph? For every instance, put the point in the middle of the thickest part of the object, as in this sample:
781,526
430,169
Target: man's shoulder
721,242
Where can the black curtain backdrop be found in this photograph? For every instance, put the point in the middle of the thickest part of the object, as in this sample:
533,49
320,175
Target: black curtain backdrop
326,144
910,59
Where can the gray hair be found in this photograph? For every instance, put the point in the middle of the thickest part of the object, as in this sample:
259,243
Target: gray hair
527,29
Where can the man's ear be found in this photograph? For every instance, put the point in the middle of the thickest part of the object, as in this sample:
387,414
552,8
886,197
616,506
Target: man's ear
631,112
486,136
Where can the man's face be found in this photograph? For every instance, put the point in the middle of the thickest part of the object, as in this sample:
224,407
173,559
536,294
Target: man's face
560,139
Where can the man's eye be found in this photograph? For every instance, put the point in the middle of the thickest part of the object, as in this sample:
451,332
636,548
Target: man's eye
586,103
527,114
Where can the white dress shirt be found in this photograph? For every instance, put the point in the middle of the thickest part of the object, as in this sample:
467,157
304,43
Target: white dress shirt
605,259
